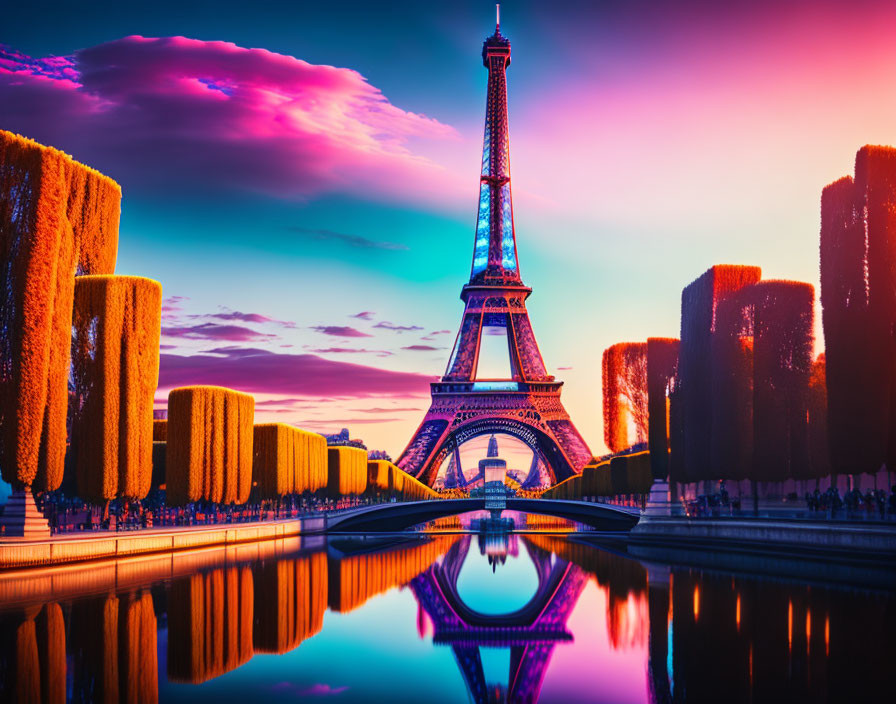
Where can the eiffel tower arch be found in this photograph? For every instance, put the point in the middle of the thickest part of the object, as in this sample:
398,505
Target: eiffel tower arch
527,403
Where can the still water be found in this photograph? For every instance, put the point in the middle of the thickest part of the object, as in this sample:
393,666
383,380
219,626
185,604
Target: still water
427,617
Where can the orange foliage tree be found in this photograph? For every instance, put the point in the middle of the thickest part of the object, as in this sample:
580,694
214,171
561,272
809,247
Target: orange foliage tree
57,218
288,460
159,430
347,470
731,438
209,449
699,304
662,368
625,394
115,368
858,296
782,365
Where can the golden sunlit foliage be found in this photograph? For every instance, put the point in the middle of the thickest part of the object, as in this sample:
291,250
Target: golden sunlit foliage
625,394
353,580
159,430
290,601
287,460
347,470
858,296
210,619
378,474
115,367
57,218
662,370
210,436
699,305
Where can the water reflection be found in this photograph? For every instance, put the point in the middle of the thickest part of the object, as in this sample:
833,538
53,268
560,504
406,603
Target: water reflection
387,620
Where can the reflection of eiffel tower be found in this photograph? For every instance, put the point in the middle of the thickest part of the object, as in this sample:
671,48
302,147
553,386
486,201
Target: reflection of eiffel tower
530,632
526,404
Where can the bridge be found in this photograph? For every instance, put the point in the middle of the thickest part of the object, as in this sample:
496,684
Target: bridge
398,516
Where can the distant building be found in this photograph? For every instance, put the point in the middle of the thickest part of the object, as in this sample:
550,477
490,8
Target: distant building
160,414
343,438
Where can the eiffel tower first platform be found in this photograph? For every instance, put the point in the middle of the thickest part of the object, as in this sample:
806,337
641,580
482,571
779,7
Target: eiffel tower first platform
527,405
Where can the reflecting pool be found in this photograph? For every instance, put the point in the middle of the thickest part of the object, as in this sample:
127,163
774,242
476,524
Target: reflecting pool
435,617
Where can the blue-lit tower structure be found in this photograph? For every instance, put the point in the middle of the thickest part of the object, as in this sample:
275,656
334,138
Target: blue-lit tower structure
527,404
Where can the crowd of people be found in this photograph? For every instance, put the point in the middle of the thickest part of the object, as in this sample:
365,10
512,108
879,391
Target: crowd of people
873,501
68,515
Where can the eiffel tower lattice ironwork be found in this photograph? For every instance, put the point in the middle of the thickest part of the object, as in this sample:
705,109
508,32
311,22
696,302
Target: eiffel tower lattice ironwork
527,405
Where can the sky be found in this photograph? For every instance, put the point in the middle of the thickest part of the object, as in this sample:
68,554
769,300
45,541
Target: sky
302,177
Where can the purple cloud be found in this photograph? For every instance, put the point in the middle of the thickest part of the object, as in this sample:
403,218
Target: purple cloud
347,350
344,422
364,315
422,348
168,112
214,331
228,314
386,325
301,375
340,331
388,410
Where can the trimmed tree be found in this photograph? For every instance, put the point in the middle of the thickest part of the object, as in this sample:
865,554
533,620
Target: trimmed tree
858,296
625,394
782,362
347,468
209,445
287,460
699,305
57,218
115,367
662,368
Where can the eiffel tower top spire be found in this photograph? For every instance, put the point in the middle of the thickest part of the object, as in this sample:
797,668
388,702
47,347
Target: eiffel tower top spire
494,252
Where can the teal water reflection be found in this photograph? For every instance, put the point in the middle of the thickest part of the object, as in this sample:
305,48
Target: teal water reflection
435,618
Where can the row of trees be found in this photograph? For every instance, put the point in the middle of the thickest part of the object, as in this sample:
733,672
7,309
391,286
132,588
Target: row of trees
623,474
63,312
214,453
740,395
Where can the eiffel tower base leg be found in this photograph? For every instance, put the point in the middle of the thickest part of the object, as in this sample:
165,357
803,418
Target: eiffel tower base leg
21,519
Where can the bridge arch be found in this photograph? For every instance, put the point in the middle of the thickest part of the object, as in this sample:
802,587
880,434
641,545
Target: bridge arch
401,515
524,428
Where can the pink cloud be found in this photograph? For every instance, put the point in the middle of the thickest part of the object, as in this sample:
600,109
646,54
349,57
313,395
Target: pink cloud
386,325
228,314
214,331
263,372
364,315
173,111
348,350
340,331
422,348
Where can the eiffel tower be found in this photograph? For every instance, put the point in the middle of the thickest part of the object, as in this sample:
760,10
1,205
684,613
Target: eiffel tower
527,404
